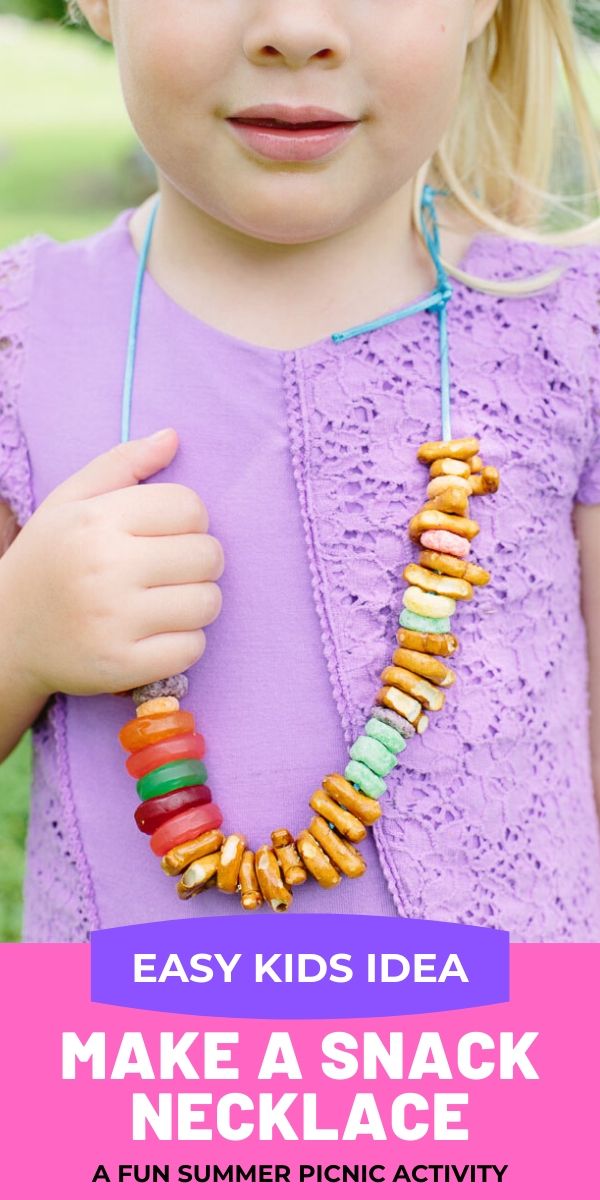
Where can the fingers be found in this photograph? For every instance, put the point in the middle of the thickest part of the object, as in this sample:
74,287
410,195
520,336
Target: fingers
120,467
181,609
185,558
167,654
153,510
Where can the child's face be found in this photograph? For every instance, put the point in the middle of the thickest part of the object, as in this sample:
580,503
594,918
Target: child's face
188,65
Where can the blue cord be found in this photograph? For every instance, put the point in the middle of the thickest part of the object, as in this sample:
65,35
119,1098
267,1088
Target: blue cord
133,328
436,301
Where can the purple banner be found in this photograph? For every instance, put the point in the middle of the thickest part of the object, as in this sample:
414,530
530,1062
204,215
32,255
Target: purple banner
300,966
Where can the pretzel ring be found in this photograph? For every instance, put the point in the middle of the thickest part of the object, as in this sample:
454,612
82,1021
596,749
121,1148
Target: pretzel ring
230,861
345,823
270,879
427,643
316,861
456,589
367,809
463,448
430,697
425,665
407,706
470,572
341,853
428,520
450,466
441,484
488,481
251,893
198,874
288,857
450,500
181,856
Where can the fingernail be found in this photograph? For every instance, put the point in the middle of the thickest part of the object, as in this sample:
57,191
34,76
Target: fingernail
155,437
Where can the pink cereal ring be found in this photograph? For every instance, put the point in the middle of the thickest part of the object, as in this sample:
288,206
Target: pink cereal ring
446,542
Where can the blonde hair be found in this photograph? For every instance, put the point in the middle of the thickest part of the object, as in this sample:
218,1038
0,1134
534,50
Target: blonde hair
497,158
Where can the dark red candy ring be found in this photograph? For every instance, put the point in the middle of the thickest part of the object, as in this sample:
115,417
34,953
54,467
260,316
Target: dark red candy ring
152,813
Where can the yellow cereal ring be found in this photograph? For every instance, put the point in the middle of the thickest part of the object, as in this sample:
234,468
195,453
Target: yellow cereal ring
162,704
426,604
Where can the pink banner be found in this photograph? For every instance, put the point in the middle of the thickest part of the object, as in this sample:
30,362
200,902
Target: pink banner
532,1133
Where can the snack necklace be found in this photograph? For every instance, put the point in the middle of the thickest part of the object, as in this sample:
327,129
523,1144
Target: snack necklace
176,808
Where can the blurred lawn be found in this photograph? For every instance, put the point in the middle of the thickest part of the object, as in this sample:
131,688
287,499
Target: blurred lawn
65,135
65,169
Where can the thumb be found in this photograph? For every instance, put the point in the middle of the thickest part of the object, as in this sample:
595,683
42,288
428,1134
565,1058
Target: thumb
124,465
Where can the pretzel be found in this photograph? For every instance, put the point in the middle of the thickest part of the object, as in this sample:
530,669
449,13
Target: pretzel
251,893
422,723
437,486
450,466
450,500
367,809
476,463
230,862
488,481
288,857
457,589
342,854
181,856
427,643
425,520
407,706
198,875
426,665
187,893
346,824
470,572
463,448
316,860
429,696
270,880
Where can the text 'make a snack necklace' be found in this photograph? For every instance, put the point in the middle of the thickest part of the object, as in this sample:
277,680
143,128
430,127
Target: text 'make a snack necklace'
176,808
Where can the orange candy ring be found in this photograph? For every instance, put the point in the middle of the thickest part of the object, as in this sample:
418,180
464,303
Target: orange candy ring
145,731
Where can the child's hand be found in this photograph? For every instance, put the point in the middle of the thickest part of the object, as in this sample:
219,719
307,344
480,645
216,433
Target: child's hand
109,585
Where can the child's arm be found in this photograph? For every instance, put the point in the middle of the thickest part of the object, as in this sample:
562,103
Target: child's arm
106,587
587,528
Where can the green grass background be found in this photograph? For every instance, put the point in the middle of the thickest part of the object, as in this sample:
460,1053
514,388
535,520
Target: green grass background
66,169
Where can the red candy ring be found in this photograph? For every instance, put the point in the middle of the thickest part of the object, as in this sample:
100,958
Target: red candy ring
184,827
152,813
190,745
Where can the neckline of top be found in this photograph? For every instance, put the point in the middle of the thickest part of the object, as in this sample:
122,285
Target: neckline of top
229,340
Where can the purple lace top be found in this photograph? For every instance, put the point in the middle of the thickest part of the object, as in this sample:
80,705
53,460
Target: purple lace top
306,462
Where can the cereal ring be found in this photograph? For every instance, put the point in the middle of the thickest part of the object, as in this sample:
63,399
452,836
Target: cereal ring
174,685
428,519
445,542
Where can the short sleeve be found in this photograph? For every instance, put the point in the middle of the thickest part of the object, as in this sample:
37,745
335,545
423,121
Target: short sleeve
587,308
16,271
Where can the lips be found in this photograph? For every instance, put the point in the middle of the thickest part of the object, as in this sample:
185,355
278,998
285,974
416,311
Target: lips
281,116
279,132
266,124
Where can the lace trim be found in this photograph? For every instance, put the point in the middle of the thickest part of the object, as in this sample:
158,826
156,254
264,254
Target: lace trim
16,273
472,828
